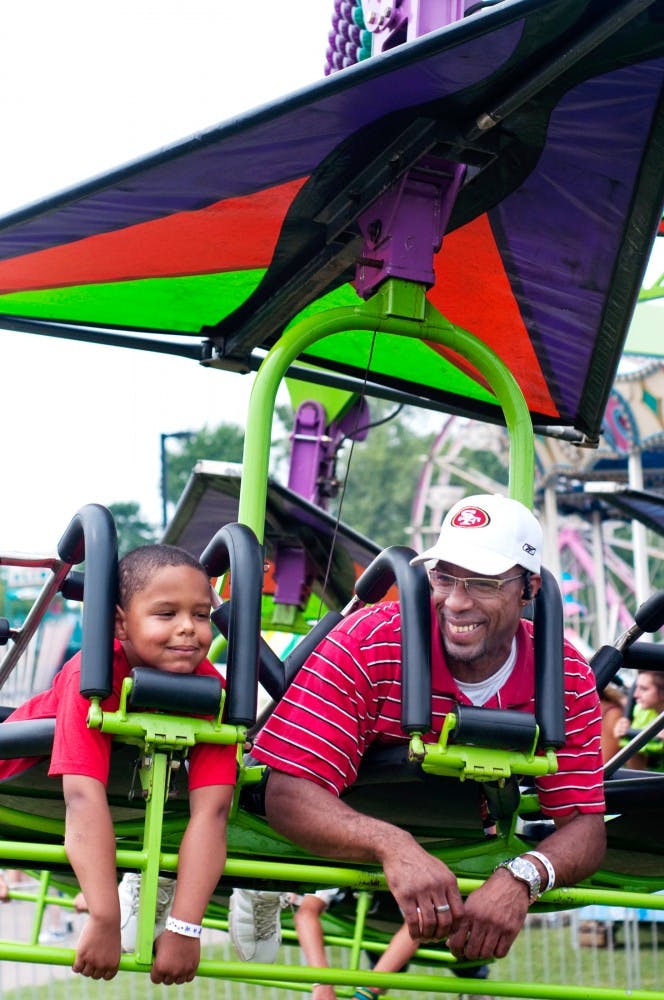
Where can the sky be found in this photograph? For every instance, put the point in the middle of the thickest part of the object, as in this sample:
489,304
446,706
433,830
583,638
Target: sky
87,86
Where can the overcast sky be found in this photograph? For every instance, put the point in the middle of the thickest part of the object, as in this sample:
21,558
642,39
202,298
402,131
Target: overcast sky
87,85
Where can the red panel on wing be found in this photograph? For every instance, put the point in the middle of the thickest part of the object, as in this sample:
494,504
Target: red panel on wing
231,235
473,292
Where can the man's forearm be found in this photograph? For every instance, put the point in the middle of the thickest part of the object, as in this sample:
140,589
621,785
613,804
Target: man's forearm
321,823
575,849
424,888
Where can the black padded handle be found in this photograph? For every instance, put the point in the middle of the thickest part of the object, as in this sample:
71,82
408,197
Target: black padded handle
390,566
187,694
549,662
26,738
72,587
498,728
606,663
650,615
91,536
644,656
236,547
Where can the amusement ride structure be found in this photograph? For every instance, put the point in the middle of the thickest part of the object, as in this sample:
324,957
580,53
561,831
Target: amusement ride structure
460,222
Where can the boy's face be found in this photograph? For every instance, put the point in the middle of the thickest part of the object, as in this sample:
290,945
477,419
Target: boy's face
167,624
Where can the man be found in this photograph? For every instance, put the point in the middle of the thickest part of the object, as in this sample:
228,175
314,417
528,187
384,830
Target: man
484,569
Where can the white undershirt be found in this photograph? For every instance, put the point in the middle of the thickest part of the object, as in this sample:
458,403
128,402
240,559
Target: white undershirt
479,692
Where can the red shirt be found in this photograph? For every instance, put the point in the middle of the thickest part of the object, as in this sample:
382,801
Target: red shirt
347,697
80,750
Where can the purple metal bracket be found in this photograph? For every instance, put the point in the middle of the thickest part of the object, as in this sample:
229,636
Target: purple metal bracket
312,475
404,227
307,449
292,576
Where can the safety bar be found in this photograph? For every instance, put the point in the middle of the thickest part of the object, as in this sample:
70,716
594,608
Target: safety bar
236,547
393,566
91,536
608,660
549,672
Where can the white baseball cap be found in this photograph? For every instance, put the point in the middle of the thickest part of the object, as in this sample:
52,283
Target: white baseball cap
488,534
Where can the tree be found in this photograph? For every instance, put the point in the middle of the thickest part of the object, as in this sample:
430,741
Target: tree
382,474
132,529
383,469
224,443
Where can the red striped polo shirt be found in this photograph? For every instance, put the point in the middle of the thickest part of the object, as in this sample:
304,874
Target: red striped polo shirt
347,697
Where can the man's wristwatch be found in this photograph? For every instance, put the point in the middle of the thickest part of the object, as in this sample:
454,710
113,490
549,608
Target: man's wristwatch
525,871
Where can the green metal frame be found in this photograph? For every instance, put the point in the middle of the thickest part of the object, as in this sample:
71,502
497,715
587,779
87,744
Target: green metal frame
255,851
399,308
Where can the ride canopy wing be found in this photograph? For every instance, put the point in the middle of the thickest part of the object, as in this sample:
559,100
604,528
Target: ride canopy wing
210,247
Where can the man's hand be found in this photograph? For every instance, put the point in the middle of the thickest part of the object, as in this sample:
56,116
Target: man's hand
425,889
98,949
493,916
176,959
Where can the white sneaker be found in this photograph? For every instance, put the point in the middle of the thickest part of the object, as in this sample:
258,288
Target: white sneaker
57,935
128,891
254,923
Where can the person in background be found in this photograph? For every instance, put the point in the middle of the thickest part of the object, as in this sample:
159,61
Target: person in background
648,704
612,701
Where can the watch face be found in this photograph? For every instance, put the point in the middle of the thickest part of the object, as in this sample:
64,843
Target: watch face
522,867
526,871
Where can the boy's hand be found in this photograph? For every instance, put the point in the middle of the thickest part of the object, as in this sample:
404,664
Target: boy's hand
98,950
176,959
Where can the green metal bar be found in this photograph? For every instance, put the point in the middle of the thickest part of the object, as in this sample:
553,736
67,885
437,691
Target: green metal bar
399,308
147,904
28,821
40,906
277,974
361,910
294,873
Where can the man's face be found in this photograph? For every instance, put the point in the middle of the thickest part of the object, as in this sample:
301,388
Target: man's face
167,624
477,629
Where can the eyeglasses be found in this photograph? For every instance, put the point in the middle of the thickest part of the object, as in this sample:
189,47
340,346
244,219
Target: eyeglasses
475,586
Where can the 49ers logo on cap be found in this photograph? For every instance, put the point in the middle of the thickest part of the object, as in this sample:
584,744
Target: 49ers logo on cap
470,517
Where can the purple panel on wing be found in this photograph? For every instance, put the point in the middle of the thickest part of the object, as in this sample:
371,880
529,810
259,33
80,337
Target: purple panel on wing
267,147
580,191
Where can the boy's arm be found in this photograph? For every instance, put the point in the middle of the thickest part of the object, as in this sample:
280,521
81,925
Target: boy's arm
90,847
201,863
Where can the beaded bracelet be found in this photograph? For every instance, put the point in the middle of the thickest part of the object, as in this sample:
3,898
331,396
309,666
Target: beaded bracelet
183,927
550,873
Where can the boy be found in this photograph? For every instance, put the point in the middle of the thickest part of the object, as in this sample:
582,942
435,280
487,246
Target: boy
162,621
